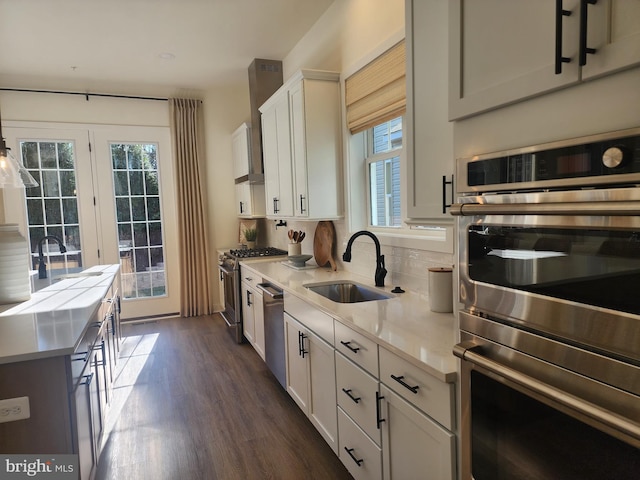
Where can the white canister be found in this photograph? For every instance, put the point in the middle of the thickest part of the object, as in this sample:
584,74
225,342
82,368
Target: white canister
294,249
441,289
15,285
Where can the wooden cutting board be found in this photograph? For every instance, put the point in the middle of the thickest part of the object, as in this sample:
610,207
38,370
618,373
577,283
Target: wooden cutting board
324,242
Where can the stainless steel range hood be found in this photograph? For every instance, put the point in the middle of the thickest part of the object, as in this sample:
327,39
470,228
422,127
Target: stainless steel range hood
265,77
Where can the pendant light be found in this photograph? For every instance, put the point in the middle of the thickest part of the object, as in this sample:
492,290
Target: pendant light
12,172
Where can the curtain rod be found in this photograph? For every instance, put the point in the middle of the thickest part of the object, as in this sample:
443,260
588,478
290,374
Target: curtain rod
85,94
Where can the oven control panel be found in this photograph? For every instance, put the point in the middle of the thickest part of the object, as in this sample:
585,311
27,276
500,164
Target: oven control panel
606,159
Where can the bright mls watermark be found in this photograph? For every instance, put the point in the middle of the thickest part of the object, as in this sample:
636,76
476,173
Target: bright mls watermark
50,467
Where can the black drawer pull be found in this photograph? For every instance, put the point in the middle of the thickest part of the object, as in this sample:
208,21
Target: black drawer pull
559,59
348,392
378,419
348,345
404,384
350,451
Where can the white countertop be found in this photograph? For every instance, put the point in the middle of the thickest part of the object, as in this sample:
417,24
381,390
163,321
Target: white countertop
403,324
54,320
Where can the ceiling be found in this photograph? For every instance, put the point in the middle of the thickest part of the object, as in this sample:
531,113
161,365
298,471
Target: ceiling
145,47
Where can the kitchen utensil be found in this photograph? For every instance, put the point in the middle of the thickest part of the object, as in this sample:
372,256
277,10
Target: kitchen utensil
323,244
295,237
301,237
290,234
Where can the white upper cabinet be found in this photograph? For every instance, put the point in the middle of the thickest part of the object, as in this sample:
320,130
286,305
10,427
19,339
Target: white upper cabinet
241,150
613,30
302,147
249,196
503,52
276,152
429,134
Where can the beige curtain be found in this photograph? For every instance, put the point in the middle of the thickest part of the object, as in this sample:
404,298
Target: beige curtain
195,274
377,92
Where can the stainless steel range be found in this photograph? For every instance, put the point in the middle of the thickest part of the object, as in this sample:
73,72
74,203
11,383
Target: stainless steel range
229,266
550,328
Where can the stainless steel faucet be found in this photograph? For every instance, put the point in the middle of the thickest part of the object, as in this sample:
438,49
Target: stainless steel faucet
42,266
381,272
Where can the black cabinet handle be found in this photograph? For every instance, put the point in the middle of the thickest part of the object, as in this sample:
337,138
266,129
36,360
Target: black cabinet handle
401,381
302,350
446,182
350,452
378,413
348,345
584,50
241,210
275,205
560,12
348,392
302,198
87,379
248,298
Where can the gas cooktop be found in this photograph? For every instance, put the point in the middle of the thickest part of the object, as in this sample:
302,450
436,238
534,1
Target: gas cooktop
257,252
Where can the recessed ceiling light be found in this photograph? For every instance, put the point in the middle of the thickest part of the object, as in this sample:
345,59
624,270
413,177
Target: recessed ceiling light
166,56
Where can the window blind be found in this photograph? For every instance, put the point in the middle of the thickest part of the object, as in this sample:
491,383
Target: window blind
377,92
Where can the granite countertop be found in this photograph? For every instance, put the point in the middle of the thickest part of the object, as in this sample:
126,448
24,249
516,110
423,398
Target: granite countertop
403,324
56,317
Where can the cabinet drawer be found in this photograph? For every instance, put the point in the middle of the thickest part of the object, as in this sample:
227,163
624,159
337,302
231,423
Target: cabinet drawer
426,392
363,458
312,318
357,348
250,277
356,391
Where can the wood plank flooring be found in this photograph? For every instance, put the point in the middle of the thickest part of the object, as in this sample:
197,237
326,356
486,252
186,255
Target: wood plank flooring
190,403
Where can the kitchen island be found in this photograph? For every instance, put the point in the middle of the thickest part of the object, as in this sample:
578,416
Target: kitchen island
57,357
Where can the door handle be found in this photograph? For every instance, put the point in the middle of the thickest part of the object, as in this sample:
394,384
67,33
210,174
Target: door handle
560,12
584,50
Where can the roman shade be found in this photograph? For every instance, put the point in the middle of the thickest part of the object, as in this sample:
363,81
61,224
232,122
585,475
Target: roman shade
377,92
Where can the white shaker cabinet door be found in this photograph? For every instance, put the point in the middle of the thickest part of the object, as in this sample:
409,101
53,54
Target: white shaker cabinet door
414,446
504,51
614,32
276,148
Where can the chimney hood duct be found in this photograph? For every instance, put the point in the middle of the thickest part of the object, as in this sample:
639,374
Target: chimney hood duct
265,77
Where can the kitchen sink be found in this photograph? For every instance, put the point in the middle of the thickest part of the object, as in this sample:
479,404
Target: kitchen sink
78,275
347,292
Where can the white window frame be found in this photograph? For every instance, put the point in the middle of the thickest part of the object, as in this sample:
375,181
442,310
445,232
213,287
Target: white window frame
436,238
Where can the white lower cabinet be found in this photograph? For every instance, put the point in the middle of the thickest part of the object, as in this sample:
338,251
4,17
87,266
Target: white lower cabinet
311,377
252,310
361,456
414,446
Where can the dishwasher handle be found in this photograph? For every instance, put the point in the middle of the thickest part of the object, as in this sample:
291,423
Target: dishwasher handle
271,291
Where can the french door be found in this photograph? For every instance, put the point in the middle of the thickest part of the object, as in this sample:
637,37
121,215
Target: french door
113,202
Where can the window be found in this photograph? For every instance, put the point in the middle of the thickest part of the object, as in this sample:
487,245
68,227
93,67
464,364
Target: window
384,148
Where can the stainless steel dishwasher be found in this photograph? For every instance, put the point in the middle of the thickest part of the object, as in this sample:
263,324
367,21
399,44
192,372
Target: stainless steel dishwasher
274,330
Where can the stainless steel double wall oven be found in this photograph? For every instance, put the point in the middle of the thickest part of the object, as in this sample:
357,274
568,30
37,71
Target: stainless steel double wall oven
550,327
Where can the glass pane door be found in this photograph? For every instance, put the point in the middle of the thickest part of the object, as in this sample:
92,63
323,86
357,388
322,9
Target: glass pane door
139,219
61,207
137,207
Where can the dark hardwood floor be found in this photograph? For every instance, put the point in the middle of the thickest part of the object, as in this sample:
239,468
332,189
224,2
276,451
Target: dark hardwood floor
190,403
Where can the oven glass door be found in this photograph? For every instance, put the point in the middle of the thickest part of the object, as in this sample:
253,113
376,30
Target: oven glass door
594,266
230,286
514,436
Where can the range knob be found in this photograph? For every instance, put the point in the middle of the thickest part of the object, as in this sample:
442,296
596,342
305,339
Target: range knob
613,157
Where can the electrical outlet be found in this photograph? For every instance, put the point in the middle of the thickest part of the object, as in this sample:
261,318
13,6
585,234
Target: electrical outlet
13,409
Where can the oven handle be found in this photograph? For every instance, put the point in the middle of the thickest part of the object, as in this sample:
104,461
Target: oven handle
467,351
224,270
558,208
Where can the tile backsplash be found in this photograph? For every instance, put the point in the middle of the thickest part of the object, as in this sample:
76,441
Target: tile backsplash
407,267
